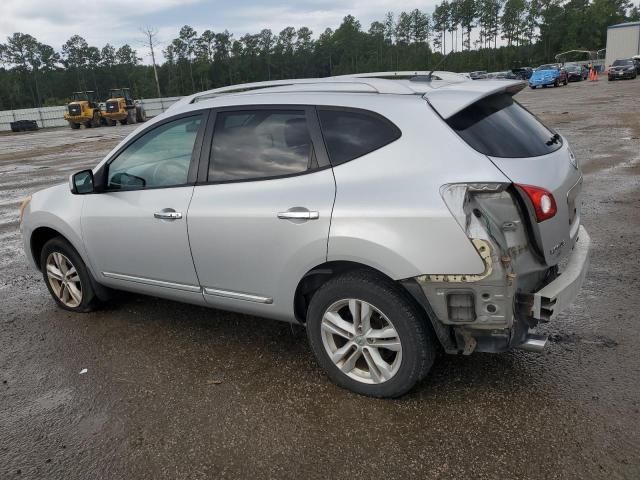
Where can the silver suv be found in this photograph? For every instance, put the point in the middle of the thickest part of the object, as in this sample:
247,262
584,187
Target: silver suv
393,218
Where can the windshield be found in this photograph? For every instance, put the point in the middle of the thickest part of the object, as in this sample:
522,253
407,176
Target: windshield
499,126
547,67
573,68
620,63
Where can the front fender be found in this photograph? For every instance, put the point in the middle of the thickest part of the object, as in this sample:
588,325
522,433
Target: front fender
58,209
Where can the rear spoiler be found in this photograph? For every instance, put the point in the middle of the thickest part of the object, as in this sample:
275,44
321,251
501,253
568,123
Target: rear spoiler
451,99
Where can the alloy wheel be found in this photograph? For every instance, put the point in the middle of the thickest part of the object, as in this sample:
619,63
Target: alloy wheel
64,280
361,341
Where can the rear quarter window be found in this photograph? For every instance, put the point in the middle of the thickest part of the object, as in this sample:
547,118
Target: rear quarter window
499,126
349,134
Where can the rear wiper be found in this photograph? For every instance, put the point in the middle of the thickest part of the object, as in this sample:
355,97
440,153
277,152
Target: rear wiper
554,139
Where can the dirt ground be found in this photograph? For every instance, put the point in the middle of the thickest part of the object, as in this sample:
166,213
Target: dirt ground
176,391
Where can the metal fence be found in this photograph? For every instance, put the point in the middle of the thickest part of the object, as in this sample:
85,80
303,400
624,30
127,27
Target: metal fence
54,116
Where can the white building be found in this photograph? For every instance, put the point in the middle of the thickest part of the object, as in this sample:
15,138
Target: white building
623,41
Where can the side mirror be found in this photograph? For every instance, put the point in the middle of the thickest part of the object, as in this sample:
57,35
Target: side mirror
81,183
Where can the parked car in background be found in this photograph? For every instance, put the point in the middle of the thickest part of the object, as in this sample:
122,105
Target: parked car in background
253,198
636,60
622,69
505,75
576,73
549,74
522,73
478,75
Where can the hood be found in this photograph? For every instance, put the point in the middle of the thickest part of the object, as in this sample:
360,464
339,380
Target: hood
545,73
622,67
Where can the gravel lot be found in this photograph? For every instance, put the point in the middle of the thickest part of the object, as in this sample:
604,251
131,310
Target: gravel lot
177,391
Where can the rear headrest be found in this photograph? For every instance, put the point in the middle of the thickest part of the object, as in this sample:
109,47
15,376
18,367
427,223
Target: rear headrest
296,133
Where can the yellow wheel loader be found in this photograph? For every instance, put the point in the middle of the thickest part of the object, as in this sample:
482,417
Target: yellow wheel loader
83,109
121,107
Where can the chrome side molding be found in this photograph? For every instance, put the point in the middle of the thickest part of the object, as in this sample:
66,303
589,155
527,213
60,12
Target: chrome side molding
216,292
152,282
237,295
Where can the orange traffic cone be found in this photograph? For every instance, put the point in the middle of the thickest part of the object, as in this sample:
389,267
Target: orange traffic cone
591,75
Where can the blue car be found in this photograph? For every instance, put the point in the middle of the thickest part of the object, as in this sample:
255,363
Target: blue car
550,74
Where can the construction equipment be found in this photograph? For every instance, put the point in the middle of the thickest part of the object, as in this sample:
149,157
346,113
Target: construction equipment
121,107
83,109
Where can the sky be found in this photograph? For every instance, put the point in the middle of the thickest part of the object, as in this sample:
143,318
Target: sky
119,21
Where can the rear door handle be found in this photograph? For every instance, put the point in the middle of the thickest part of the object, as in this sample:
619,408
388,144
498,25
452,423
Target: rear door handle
299,215
168,214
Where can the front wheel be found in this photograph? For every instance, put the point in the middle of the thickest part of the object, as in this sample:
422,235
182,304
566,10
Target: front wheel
555,83
369,336
131,116
68,279
141,115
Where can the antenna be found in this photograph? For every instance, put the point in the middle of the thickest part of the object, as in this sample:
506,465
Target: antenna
428,79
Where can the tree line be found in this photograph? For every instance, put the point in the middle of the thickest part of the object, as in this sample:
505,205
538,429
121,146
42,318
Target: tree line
480,34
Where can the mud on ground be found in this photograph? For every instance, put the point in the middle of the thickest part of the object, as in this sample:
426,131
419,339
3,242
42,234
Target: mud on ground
176,391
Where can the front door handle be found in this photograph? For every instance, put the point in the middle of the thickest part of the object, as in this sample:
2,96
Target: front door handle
168,214
299,215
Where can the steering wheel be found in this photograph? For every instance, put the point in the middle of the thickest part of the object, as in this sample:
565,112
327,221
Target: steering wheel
169,172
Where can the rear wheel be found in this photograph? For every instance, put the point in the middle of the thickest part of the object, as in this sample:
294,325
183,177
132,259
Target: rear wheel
66,276
74,126
369,336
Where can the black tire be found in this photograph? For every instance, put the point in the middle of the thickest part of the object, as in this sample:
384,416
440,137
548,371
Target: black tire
131,116
74,126
123,121
89,300
141,115
556,83
532,87
419,346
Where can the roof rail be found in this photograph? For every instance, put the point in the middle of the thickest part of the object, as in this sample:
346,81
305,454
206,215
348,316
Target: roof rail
327,84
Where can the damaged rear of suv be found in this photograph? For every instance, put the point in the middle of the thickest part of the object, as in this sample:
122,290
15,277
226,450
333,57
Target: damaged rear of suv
478,219
523,229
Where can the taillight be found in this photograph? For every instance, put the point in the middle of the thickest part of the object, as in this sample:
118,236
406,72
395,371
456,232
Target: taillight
542,200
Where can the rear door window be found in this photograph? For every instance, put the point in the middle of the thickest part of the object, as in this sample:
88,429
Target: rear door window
259,144
499,126
351,134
